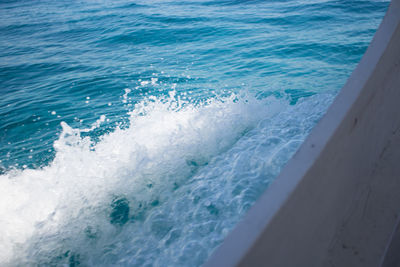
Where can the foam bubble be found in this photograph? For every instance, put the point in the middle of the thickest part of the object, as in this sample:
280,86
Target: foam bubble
83,206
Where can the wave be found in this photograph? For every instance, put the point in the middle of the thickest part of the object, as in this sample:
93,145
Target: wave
93,191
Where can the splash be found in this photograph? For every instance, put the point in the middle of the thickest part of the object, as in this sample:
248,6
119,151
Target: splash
73,209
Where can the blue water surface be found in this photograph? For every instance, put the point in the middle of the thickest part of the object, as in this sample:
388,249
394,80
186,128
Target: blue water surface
140,132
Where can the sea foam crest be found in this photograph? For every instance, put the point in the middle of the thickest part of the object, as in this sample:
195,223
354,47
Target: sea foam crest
91,190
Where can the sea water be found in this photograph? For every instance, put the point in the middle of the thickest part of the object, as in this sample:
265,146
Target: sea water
140,132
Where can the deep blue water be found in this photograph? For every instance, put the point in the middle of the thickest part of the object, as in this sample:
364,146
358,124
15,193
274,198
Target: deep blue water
136,133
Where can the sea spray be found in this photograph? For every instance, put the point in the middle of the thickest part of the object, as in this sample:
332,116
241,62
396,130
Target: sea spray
92,189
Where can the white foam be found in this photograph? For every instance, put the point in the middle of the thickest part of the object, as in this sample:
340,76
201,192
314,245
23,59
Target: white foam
62,211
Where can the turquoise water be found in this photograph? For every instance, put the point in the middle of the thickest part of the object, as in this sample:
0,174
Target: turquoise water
139,133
